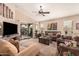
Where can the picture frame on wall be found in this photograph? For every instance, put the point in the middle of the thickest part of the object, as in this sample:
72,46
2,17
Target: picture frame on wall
77,26
54,26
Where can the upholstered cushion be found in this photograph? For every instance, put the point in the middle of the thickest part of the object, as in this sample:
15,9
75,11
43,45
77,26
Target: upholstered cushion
15,43
7,48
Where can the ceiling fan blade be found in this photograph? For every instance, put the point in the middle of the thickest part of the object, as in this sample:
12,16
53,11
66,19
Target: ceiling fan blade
44,12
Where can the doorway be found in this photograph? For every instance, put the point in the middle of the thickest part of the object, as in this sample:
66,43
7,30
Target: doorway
26,30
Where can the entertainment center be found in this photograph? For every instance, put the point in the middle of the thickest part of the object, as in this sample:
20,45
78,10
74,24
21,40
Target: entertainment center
8,30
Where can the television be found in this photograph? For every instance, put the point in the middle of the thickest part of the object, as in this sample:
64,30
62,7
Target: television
9,28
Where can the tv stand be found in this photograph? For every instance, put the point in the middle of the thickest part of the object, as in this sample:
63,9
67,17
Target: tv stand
11,36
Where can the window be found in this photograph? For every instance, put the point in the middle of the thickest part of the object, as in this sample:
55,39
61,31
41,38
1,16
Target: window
68,27
5,11
1,9
11,15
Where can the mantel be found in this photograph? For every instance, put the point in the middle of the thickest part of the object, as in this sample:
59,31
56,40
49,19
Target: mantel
52,31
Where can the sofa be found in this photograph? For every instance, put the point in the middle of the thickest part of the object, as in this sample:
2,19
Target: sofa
8,49
69,50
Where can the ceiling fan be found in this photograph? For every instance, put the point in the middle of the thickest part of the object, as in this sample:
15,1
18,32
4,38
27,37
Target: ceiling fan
42,12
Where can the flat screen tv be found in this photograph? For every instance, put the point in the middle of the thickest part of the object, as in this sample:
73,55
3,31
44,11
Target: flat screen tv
9,28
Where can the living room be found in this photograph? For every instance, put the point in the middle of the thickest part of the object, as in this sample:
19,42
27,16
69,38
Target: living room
33,29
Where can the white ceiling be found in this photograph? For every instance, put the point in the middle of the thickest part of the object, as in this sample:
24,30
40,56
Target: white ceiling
56,10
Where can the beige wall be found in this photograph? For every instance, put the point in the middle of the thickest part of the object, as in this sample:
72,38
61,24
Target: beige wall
23,19
60,23
19,17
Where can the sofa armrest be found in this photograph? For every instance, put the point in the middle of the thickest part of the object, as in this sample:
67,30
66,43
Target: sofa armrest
31,50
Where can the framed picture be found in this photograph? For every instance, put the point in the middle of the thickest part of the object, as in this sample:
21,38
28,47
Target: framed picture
54,26
77,26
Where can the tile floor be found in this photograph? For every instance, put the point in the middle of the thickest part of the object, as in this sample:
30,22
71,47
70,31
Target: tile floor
45,50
